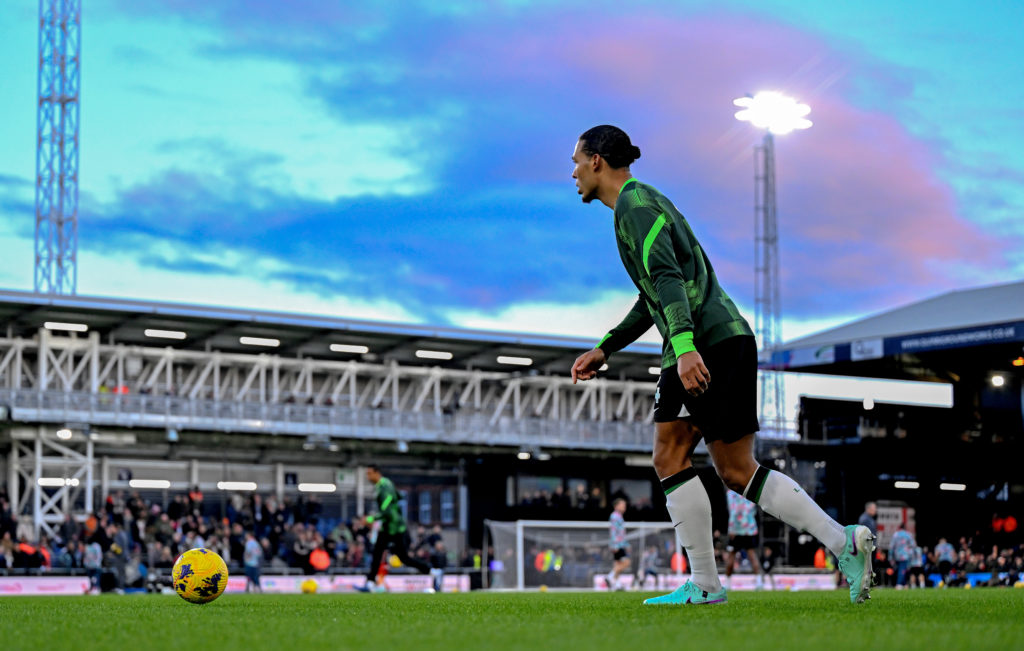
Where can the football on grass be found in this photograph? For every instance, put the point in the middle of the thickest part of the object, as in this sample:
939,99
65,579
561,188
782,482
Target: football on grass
200,576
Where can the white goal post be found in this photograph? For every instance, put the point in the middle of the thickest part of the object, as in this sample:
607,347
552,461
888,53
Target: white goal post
569,554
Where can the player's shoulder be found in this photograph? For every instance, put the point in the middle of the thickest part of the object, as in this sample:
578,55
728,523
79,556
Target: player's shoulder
635,197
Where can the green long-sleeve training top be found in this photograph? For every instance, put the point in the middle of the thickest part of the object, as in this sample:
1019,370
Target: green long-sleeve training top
389,511
679,292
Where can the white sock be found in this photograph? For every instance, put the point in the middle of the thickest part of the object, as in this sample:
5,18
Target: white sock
782,497
690,509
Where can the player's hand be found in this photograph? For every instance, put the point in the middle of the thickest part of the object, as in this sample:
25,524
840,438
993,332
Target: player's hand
588,364
694,375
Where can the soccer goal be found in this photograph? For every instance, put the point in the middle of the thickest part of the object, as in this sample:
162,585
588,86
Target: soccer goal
572,554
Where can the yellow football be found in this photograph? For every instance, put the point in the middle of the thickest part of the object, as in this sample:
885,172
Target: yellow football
200,576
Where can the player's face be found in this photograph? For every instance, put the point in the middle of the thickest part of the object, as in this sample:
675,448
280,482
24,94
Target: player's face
583,172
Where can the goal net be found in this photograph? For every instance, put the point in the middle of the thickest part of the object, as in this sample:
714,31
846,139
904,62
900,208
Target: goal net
569,554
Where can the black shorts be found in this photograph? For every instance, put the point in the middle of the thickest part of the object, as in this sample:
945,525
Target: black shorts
620,554
741,543
727,411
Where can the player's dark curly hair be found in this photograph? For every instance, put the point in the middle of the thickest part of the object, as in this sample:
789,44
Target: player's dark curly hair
610,143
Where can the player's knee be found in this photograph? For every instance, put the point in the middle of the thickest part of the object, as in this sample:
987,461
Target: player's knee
735,477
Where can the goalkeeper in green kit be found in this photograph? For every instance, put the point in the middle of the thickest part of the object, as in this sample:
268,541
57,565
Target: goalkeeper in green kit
393,534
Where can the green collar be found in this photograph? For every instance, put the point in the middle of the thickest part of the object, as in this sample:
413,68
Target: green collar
628,181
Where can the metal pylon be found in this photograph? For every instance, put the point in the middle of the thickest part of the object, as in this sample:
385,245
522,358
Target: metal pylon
60,48
767,305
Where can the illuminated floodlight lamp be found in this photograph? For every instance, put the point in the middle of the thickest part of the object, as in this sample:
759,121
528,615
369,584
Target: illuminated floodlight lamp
349,348
164,334
514,361
949,486
317,488
773,111
604,367
149,483
523,455
998,381
908,484
64,433
434,354
654,370
259,341
67,327
236,485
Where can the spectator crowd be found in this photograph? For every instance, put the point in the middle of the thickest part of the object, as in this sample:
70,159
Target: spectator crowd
131,537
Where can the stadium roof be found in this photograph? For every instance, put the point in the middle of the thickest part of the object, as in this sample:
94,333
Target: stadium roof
958,319
221,328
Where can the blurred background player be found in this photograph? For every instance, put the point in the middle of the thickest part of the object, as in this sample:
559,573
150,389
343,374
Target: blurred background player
901,552
767,565
945,555
703,335
647,568
393,533
617,543
253,557
742,536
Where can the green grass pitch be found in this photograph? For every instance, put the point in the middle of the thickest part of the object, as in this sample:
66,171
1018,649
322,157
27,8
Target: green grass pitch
920,619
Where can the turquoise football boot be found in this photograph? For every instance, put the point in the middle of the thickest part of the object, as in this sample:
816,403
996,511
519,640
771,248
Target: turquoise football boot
688,593
855,562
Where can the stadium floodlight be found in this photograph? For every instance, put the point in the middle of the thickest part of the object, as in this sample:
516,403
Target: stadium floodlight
604,367
773,111
869,404
69,327
944,486
349,348
164,334
654,370
236,485
317,488
524,455
998,381
434,354
64,433
908,484
259,341
149,483
515,361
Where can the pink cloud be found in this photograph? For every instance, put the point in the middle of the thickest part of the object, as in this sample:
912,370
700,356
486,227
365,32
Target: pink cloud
864,218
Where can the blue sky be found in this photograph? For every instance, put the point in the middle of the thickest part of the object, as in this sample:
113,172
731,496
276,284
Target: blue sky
410,161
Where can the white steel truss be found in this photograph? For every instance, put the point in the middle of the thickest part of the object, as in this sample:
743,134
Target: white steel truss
59,379
56,475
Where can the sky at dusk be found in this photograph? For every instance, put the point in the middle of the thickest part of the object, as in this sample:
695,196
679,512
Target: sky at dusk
410,161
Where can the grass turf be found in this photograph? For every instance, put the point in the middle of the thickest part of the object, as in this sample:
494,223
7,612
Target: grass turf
919,619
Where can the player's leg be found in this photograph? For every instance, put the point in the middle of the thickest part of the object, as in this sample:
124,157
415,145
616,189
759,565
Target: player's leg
400,547
379,547
783,498
773,491
755,565
686,499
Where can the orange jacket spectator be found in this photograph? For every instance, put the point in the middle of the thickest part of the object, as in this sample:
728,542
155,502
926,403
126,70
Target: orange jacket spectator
819,558
319,559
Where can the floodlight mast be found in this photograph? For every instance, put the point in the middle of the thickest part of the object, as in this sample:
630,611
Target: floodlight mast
56,242
776,114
